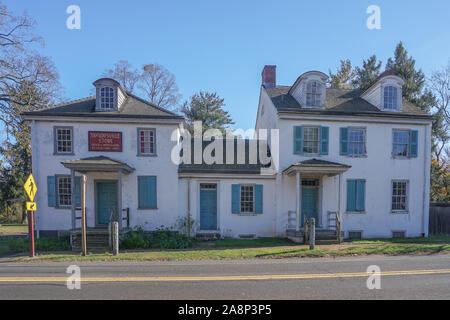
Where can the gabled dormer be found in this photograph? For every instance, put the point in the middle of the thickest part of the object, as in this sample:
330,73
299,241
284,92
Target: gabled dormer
386,92
109,95
310,89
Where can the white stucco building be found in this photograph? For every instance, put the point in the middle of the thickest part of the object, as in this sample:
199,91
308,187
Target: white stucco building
359,158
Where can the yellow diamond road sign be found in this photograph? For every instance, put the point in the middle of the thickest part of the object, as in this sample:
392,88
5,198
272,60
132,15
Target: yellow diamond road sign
30,187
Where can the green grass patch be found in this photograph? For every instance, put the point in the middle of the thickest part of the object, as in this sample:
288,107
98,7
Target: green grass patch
434,239
11,229
249,243
249,253
17,245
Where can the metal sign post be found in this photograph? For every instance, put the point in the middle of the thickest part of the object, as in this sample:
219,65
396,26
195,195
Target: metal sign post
30,189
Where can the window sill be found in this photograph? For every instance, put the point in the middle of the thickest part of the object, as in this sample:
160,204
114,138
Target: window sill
63,154
249,214
147,208
400,158
355,212
355,155
146,155
400,212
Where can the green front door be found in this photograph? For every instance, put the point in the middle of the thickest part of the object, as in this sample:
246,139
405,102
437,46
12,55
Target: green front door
309,203
106,201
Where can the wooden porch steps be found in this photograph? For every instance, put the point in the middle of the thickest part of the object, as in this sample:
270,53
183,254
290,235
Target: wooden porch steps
97,239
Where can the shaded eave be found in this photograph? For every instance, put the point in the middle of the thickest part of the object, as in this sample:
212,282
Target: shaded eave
31,115
391,115
97,164
315,167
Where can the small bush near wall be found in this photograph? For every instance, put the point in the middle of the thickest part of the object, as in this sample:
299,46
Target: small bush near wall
160,239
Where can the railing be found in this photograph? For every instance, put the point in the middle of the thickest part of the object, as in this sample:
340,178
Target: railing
126,216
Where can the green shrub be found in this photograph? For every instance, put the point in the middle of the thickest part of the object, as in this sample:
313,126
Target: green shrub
159,239
135,239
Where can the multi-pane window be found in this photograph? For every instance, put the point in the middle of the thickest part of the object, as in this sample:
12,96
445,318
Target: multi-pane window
399,195
64,140
247,198
107,98
356,141
313,93
390,98
311,139
146,141
64,192
400,143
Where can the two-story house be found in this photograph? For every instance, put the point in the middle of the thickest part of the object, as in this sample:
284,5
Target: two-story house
361,159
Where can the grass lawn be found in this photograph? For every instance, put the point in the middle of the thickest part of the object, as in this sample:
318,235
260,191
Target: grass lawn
262,249
12,229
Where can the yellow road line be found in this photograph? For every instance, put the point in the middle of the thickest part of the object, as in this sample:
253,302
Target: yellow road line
225,278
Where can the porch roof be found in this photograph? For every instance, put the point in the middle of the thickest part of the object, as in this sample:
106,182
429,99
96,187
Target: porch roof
316,167
97,164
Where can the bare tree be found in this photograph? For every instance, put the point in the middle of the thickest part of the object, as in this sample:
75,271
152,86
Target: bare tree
160,86
28,81
440,84
125,74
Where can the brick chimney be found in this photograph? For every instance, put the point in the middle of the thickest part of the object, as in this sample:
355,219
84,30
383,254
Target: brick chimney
269,76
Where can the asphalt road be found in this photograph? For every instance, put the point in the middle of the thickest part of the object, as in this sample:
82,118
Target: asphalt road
402,277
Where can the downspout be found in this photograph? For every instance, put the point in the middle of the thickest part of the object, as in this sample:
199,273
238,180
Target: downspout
426,180
188,208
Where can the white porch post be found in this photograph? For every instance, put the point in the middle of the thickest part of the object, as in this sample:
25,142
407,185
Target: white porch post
298,207
72,197
340,196
119,197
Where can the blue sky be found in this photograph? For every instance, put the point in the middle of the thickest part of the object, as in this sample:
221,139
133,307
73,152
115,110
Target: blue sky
222,46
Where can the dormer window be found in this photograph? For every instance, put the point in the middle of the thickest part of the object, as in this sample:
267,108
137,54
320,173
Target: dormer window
313,93
390,98
107,98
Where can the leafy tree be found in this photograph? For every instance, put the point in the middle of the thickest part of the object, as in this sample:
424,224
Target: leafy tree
343,77
366,75
440,182
405,66
208,108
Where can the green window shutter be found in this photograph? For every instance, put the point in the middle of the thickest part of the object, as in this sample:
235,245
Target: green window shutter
324,132
78,192
360,194
51,191
235,198
351,195
413,143
298,139
259,198
147,192
343,141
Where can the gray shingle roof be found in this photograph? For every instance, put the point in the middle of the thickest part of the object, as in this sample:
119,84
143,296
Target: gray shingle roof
245,168
340,101
133,107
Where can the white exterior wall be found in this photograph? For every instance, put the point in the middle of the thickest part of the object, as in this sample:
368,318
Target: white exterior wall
232,224
378,168
45,163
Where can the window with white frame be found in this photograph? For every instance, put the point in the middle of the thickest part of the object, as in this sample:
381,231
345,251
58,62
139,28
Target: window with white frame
390,98
146,141
63,188
311,139
313,93
63,140
247,198
400,143
356,141
399,195
107,98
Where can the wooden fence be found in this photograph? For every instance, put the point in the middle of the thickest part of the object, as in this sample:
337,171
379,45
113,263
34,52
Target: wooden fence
439,219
